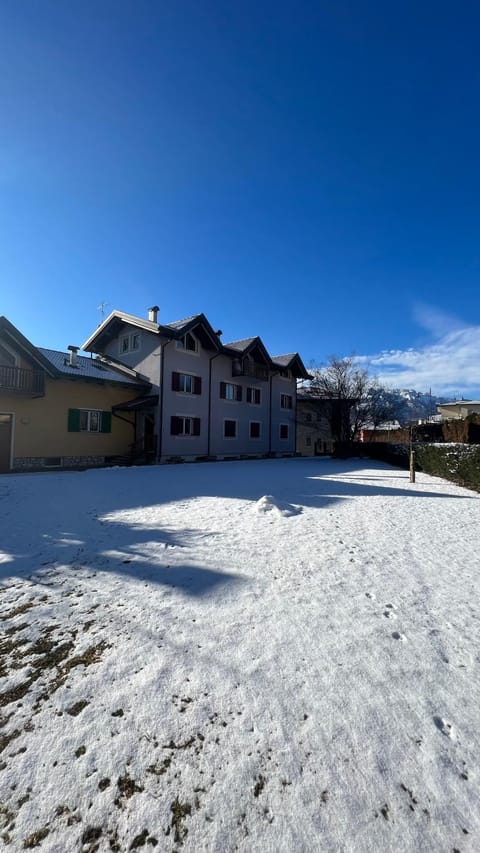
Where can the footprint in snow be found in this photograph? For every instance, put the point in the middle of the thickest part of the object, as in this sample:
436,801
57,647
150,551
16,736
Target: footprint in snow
444,726
398,636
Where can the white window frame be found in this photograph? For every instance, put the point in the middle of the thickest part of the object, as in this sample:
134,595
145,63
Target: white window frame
230,437
190,419
255,437
228,399
281,438
131,338
286,397
256,390
191,381
89,413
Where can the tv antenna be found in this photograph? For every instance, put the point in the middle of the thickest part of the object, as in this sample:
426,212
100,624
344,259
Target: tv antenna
101,308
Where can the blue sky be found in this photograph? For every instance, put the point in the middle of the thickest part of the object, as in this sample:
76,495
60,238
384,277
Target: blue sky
309,172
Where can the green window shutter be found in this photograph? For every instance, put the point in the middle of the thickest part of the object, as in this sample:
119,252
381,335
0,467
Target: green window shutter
74,420
106,424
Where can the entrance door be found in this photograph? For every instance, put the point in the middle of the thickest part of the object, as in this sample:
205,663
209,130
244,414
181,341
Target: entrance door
5,442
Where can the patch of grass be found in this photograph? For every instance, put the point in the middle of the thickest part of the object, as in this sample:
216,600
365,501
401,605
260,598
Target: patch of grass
35,839
259,785
6,739
22,608
15,693
127,786
180,811
75,710
92,655
7,816
91,834
160,769
139,840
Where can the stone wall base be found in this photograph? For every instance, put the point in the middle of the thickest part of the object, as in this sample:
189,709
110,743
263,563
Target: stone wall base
41,463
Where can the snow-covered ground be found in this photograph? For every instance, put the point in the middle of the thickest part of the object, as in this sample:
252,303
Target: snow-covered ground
265,656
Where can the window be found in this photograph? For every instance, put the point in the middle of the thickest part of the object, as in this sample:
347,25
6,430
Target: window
186,383
130,343
308,441
229,391
254,396
229,429
284,432
286,401
89,420
188,343
184,426
255,429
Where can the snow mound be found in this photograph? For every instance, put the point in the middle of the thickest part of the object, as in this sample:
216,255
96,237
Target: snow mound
270,504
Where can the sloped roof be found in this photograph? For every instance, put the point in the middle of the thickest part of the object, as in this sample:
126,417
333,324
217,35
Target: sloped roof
293,361
242,345
284,360
178,325
20,342
88,368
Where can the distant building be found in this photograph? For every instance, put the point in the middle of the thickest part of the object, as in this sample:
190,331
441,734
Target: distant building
459,409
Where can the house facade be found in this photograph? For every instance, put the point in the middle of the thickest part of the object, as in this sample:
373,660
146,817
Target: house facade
56,409
207,399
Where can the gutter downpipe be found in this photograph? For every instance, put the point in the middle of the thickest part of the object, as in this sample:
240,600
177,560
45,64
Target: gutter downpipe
160,400
210,400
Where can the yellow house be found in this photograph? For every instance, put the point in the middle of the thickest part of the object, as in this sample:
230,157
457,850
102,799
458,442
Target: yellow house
56,408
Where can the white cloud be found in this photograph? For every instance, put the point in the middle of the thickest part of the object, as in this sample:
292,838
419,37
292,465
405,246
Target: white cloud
450,365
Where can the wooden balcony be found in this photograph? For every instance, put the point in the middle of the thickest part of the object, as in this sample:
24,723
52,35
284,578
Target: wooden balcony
19,380
249,368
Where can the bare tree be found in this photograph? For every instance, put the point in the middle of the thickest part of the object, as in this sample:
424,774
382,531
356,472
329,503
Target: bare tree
345,384
356,400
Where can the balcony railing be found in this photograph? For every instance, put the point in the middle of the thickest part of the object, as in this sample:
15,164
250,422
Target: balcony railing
249,368
22,381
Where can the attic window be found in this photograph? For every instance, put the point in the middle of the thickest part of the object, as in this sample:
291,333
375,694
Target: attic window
188,343
130,343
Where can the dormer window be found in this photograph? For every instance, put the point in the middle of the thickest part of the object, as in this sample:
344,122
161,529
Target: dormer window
130,343
188,343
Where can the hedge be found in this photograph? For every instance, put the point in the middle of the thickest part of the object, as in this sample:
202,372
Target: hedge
459,463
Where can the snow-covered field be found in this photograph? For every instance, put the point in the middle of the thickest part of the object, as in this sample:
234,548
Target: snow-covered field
265,656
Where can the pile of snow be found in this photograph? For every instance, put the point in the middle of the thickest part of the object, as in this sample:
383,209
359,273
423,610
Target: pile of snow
270,504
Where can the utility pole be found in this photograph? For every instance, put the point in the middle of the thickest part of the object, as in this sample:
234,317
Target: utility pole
412,457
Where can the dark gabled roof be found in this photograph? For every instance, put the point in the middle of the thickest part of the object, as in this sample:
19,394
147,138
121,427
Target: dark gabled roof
249,346
179,325
19,341
199,324
89,368
293,362
240,346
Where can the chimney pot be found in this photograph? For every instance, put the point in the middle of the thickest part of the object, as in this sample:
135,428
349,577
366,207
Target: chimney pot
73,354
153,313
